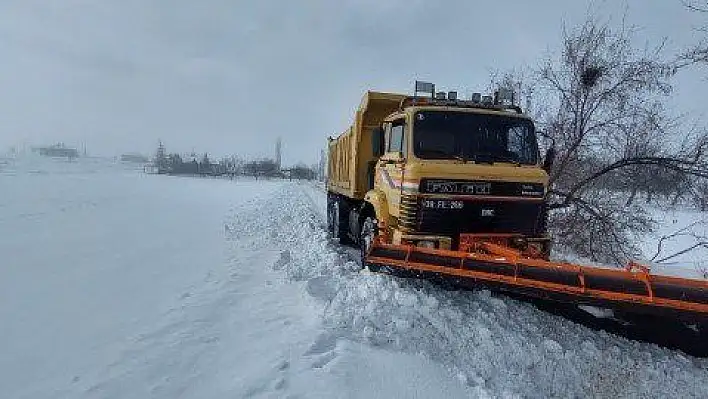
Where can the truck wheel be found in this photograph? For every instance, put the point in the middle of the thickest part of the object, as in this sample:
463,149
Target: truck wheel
369,230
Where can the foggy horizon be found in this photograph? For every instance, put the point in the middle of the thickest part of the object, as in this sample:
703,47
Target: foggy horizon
214,77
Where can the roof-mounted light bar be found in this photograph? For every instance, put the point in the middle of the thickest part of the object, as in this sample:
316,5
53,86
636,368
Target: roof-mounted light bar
502,99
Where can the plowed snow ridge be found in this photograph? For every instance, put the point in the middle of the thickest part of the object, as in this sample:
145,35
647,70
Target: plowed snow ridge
495,345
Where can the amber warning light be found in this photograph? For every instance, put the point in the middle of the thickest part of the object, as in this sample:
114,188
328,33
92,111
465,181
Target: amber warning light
424,87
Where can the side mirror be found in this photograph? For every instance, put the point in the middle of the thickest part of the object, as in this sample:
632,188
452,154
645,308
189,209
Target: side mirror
377,141
548,159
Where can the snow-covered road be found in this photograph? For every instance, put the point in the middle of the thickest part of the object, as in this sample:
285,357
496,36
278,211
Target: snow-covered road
115,284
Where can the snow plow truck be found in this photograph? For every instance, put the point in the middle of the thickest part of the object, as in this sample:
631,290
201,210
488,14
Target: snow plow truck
434,186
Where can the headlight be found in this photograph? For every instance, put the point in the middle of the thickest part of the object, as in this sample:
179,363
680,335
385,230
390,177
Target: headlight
536,246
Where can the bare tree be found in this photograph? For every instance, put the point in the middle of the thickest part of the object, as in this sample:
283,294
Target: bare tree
696,5
605,118
160,159
687,232
698,53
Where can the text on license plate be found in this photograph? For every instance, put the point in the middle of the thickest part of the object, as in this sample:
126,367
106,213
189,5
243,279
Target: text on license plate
442,204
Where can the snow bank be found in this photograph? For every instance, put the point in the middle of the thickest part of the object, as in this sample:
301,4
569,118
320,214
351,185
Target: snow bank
118,284
492,345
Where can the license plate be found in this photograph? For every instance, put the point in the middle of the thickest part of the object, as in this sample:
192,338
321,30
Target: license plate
442,204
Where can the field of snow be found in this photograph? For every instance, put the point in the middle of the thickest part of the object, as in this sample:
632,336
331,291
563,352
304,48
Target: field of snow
117,284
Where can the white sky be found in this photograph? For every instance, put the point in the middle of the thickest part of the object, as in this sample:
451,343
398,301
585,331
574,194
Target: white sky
228,77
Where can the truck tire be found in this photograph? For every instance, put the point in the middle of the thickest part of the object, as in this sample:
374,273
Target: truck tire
338,219
369,230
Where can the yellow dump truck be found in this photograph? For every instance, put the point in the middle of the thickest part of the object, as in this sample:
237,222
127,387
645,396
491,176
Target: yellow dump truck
423,170
437,186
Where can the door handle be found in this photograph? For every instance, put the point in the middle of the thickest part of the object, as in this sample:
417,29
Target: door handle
391,162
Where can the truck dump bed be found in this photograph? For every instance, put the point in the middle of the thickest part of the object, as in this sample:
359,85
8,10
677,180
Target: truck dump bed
351,159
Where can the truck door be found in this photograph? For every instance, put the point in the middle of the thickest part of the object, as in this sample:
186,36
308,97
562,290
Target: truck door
390,167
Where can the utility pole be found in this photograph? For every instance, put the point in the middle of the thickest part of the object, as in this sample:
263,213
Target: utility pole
321,168
278,154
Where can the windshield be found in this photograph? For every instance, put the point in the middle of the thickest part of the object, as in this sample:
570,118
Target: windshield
474,137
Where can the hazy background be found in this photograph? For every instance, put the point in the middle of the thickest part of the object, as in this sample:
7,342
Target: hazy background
229,77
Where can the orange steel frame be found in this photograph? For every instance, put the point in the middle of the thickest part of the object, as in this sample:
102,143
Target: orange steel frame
487,248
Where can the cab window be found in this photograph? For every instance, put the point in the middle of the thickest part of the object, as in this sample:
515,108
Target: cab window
397,137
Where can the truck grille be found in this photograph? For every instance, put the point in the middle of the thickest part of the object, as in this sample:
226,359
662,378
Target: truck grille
484,217
491,216
408,218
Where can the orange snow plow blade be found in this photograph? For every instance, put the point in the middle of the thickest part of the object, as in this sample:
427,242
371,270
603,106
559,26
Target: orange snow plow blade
483,261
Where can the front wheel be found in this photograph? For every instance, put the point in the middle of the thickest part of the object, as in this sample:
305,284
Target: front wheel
369,230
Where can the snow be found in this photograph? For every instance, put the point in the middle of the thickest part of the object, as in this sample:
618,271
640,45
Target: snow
118,284
681,229
681,236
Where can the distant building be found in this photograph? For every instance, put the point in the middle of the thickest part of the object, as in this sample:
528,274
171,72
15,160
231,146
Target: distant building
58,151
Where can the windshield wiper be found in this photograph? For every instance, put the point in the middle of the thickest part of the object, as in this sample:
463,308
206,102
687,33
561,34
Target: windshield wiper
434,152
507,158
483,157
461,157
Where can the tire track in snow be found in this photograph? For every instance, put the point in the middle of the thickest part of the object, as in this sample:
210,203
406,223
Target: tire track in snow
495,343
211,340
